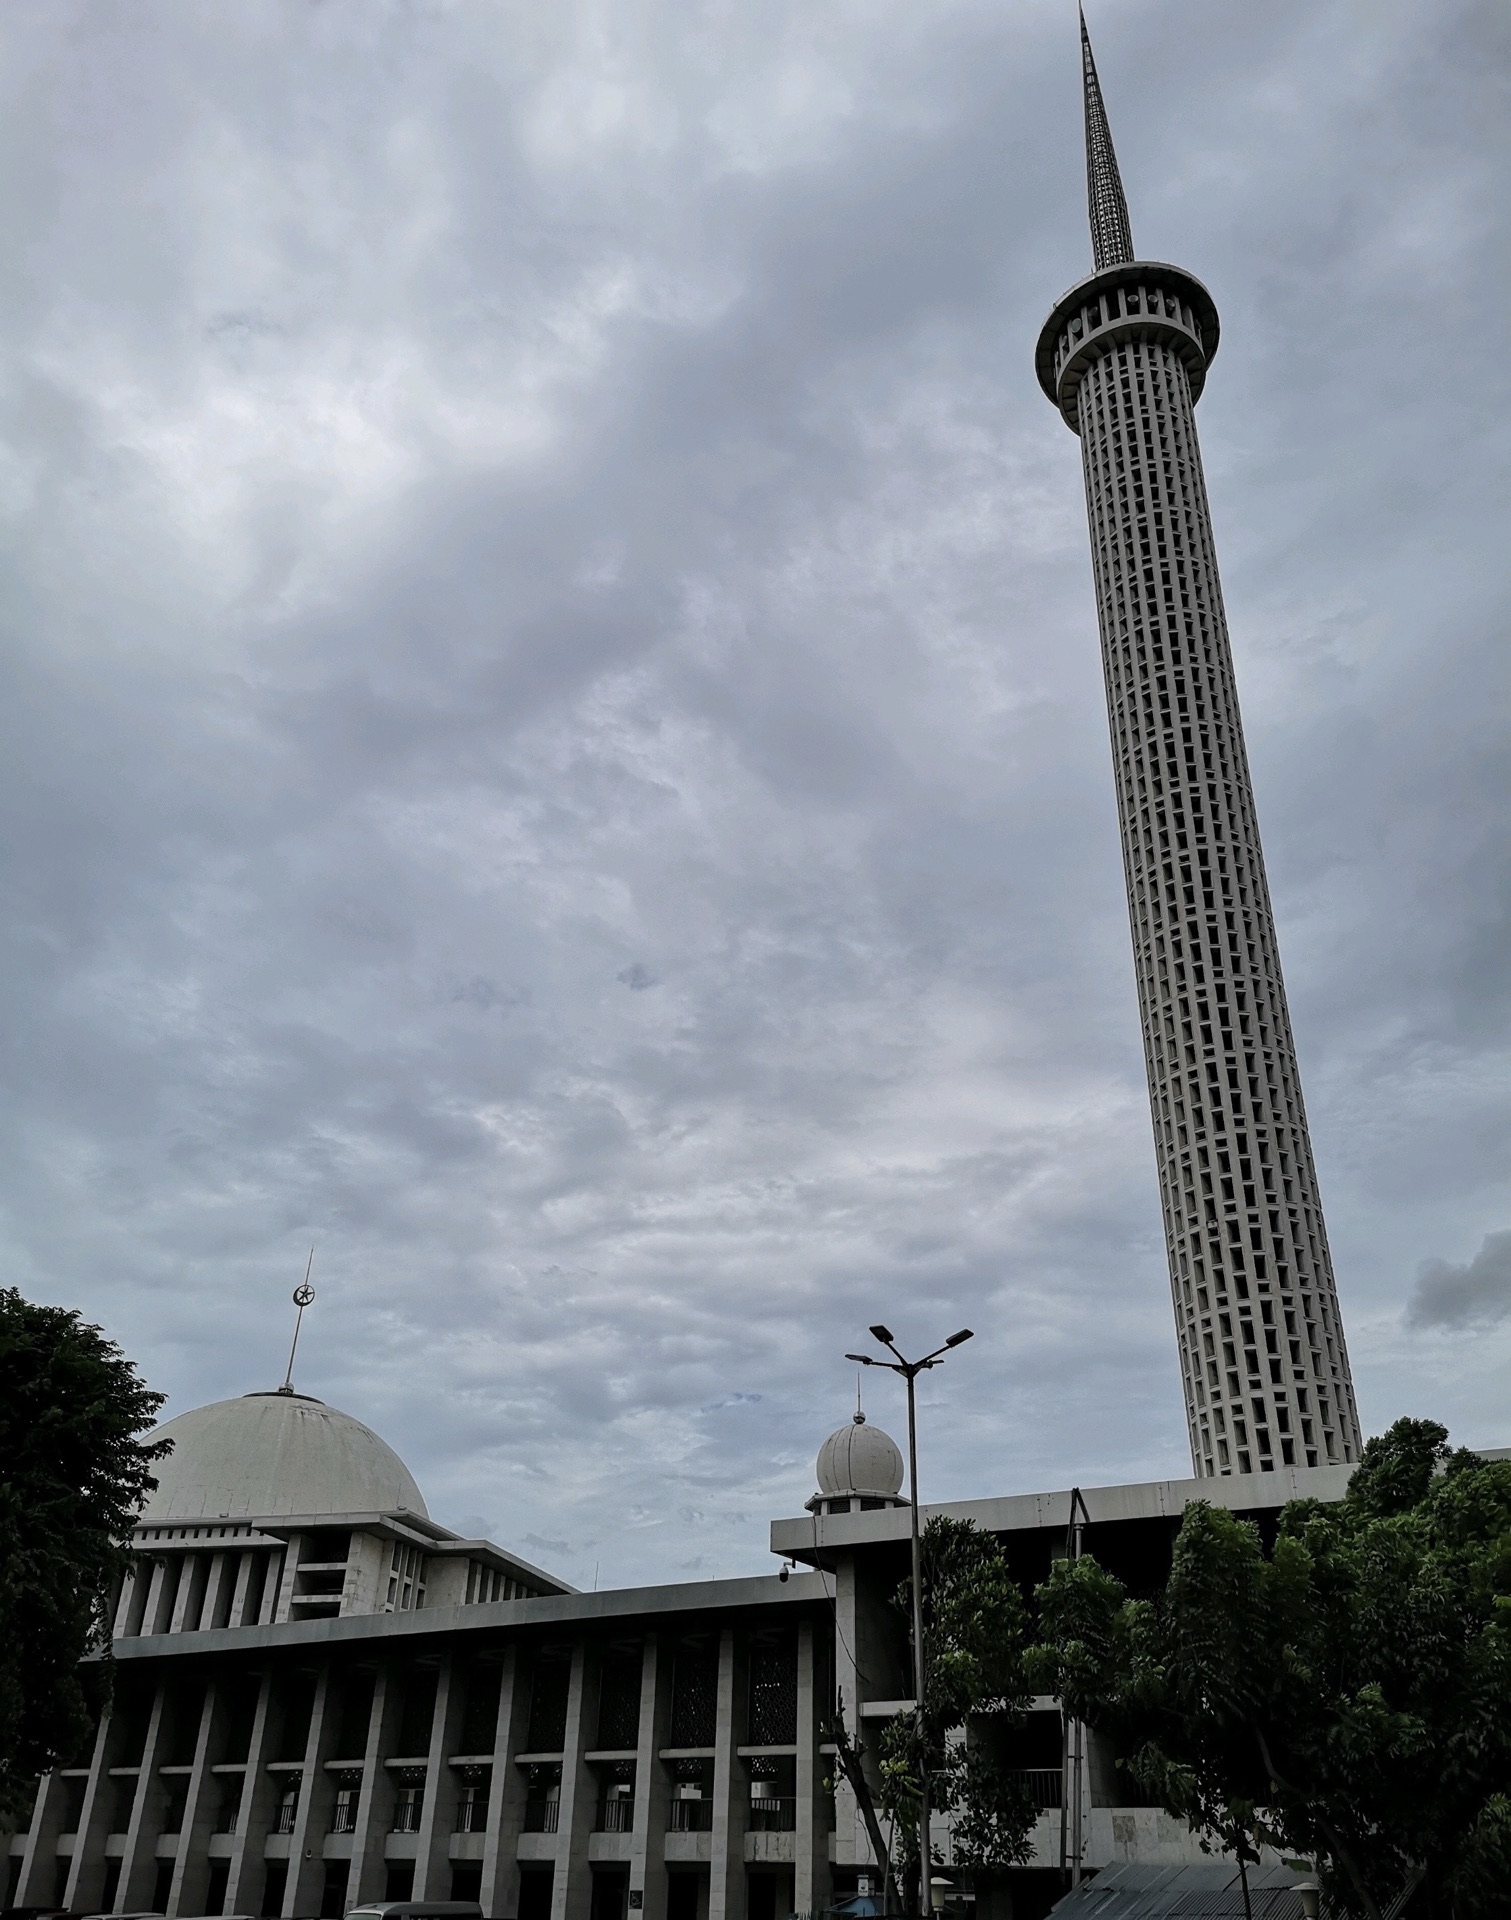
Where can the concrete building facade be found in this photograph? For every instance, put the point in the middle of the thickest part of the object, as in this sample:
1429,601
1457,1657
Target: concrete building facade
318,1709
1124,356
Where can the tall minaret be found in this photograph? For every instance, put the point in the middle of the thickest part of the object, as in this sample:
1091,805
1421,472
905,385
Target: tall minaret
1124,356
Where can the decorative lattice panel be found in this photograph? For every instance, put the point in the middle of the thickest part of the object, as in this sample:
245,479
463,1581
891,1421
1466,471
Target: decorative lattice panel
695,1694
773,1693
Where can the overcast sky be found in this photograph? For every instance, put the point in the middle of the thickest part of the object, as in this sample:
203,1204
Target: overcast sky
554,743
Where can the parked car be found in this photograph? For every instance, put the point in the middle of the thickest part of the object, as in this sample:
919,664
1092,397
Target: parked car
418,1910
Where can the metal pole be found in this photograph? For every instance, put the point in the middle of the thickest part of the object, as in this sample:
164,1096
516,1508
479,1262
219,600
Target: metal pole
910,1370
303,1294
925,1858
1077,1732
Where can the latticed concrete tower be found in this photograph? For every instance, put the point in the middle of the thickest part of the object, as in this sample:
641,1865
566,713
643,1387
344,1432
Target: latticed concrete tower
1124,356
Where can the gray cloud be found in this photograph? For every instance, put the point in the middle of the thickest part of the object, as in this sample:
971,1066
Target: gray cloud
502,506
1474,1293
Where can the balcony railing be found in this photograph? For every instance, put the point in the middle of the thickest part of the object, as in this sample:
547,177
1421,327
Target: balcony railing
773,1815
283,1820
542,1816
616,1814
691,1816
1045,1786
409,1804
472,1816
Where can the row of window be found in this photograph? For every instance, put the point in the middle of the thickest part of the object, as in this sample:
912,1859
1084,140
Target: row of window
1153,547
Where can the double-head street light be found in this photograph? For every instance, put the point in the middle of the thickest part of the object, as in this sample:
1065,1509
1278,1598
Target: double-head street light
910,1370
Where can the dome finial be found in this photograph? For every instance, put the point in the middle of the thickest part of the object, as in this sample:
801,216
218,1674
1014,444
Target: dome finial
860,1418
302,1296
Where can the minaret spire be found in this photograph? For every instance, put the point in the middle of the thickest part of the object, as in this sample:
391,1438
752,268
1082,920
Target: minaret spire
1111,235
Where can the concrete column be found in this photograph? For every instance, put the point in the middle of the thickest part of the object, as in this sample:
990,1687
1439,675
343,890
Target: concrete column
572,1887
848,1695
306,1882
87,1875
811,1875
866,1668
244,1877
432,1864
236,1615
37,1885
141,1582
212,1603
189,1598
139,1860
39,1863
731,1812
160,1591
289,1572
652,1787
272,1580
192,1870
506,1795
365,1587
122,1627
368,1873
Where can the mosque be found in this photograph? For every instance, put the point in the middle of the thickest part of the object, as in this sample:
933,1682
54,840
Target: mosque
324,1699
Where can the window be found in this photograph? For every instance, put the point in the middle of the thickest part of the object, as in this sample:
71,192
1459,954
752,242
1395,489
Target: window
288,1805
409,1803
228,1813
348,1795
472,1800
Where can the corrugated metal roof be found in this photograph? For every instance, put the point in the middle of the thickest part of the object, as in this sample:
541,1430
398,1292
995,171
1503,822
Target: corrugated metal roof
1202,1892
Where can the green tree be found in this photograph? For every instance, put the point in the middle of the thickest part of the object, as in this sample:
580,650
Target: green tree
75,1476
1347,1696
974,1634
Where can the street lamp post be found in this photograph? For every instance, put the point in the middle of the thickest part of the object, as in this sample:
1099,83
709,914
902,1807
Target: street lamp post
910,1370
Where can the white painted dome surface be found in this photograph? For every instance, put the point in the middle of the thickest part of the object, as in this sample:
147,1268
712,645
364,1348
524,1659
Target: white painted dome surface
276,1453
860,1459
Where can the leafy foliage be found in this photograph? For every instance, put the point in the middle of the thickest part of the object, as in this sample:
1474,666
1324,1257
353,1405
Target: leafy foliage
75,1476
1348,1695
974,1631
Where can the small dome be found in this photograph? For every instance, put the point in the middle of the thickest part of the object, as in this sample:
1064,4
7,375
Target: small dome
268,1454
860,1460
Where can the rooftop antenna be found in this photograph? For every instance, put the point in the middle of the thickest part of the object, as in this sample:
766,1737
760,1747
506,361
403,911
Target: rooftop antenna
302,1295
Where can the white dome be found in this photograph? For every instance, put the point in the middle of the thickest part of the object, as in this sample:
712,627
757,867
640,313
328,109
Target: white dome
860,1460
276,1453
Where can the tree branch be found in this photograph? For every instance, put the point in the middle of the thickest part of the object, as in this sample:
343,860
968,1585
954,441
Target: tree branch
849,1758
1334,1838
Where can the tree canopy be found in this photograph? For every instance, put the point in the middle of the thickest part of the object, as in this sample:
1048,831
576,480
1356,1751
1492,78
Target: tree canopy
1346,1696
974,1634
75,1475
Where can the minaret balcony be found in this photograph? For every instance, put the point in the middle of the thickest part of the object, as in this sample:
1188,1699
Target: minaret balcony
1136,300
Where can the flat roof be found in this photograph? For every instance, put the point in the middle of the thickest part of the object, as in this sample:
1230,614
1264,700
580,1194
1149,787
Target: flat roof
1040,1512
796,1539
562,1610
